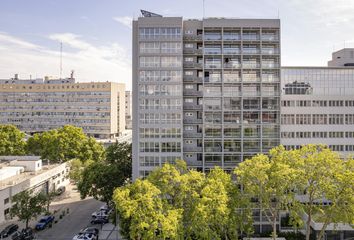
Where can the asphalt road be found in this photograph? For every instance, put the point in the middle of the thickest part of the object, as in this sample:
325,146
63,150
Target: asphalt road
79,217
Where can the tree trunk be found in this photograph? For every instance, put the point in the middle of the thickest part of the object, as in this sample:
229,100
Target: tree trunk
274,233
321,234
308,227
27,220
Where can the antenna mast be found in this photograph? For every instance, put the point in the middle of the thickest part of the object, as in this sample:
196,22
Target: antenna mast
61,59
203,9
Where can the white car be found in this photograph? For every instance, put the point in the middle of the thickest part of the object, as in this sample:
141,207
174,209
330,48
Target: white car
85,236
101,213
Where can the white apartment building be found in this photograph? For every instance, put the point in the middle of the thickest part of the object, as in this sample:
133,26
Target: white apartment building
206,91
42,104
20,173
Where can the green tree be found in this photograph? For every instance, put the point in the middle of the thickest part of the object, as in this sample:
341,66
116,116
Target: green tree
99,179
65,144
202,206
270,180
11,140
27,205
120,154
327,185
141,208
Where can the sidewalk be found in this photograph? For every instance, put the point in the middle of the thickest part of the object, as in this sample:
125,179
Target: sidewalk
109,232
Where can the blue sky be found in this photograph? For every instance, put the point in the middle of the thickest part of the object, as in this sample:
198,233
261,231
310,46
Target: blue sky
96,34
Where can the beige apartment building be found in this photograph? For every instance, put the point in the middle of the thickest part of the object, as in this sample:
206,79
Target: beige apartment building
38,105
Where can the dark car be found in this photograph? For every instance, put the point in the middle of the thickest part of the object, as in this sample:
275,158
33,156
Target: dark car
9,230
99,220
60,190
25,234
44,222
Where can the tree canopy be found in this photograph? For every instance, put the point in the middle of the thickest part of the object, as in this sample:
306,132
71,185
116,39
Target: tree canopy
11,140
28,205
99,179
63,144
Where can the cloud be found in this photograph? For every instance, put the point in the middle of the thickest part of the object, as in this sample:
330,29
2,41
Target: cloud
110,62
126,21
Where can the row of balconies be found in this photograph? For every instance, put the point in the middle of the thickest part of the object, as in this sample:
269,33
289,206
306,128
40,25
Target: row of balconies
219,37
197,79
232,65
226,51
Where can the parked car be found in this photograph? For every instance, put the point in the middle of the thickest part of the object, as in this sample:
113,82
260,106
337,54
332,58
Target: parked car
101,213
90,230
105,207
85,236
60,190
25,234
10,229
44,222
99,220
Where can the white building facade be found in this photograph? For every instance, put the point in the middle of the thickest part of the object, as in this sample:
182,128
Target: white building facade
21,173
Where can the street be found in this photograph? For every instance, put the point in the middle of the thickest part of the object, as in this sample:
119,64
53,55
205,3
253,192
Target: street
79,217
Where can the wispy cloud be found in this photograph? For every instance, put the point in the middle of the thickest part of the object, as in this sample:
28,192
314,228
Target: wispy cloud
110,62
126,21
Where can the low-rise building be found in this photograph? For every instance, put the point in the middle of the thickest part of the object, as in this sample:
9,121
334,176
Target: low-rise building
128,110
21,173
43,104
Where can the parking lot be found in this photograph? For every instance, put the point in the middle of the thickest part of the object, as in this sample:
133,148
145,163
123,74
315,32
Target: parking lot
77,218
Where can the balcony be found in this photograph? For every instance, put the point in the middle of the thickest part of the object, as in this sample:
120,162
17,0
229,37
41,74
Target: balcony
192,65
270,65
232,65
194,93
270,78
193,51
251,65
213,65
270,37
192,106
193,121
192,135
251,37
251,51
270,51
192,149
231,51
195,79
193,37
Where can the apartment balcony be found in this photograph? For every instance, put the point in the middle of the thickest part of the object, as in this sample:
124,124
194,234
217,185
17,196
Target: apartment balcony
213,149
192,135
251,65
193,37
192,65
192,106
229,51
270,78
246,37
270,65
194,79
211,66
193,51
192,149
271,38
232,65
251,51
192,121
212,52
194,93
270,51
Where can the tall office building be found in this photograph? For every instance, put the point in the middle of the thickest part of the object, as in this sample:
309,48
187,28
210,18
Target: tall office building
317,106
38,105
206,91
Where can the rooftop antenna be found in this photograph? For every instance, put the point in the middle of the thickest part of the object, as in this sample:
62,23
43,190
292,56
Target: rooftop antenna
61,59
278,13
203,9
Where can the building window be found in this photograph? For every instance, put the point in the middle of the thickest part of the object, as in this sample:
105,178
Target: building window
6,201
